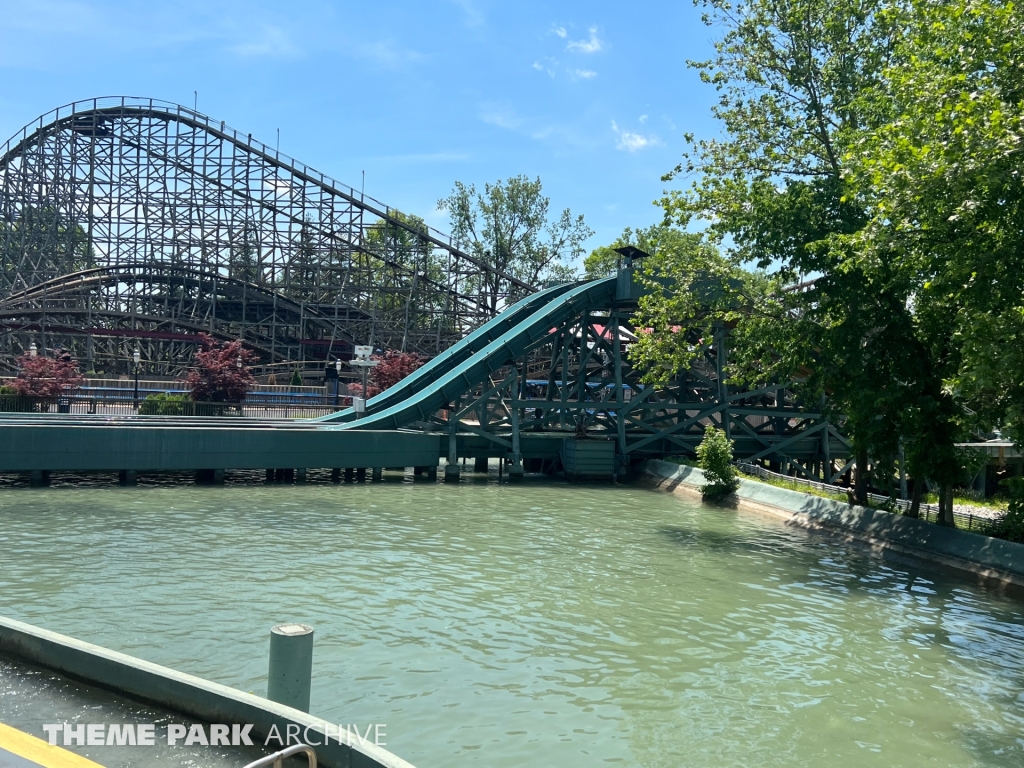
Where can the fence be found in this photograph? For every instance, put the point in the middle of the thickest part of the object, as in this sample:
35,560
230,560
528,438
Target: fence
119,405
928,512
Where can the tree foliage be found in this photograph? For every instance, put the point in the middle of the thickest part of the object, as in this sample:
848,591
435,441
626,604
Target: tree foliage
216,376
870,155
39,244
509,227
46,377
941,179
392,367
714,457
655,240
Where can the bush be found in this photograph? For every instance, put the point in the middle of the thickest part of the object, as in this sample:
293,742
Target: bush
1011,525
12,402
296,378
221,372
41,377
165,404
714,457
392,367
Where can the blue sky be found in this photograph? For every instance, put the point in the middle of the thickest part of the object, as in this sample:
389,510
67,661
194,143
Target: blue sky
593,97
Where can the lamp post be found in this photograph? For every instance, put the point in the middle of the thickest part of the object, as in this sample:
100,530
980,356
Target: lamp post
33,350
136,357
337,381
362,360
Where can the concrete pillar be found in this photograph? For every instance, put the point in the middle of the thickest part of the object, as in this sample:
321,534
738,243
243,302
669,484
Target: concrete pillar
515,472
39,478
210,476
300,475
480,464
451,473
350,475
128,477
377,475
335,475
361,475
291,665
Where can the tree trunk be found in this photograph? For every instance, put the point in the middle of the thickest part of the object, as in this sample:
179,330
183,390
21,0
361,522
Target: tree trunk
860,492
946,506
915,499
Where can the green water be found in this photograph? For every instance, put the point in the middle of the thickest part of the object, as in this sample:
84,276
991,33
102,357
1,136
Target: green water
541,624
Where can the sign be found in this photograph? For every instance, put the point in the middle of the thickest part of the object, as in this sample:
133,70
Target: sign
363,353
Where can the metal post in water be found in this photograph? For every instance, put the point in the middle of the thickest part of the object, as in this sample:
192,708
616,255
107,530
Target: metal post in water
291,665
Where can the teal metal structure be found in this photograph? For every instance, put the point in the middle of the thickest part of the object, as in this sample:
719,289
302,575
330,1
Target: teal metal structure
526,387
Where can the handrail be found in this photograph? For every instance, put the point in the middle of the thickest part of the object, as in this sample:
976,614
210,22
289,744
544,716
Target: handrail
276,760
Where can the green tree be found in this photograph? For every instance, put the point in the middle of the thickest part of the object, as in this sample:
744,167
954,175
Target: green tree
941,179
244,260
714,457
509,227
400,258
604,261
39,244
791,79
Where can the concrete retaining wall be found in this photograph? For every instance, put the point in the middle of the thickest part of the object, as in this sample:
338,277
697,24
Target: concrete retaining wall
990,558
192,696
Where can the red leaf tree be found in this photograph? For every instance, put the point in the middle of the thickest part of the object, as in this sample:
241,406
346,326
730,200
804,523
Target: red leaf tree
393,367
217,377
47,377
356,390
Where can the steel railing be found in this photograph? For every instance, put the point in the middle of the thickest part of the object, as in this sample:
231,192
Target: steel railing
127,406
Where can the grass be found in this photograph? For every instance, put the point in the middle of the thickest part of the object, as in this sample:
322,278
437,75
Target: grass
996,502
794,486
686,462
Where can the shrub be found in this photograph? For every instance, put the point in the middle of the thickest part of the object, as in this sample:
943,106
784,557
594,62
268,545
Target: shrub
46,377
217,377
296,378
166,404
12,402
1011,525
392,367
714,457
356,390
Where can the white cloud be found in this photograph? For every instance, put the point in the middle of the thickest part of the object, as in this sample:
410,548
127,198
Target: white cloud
387,53
271,41
474,16
501,116
560,31
584,74
631,142
546,65
643,119
593,45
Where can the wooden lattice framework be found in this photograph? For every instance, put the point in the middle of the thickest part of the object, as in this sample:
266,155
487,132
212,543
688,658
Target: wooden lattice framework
131,223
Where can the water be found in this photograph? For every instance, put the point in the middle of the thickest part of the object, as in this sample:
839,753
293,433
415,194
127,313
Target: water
541,624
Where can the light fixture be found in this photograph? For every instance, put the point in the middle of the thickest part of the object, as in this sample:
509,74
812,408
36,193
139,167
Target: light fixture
33,350
337,365
238,362
136,356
